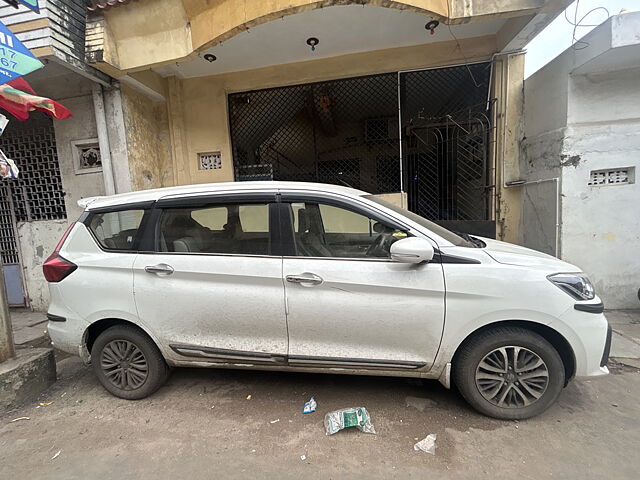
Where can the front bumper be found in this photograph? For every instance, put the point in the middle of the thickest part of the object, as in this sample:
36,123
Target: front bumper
589,336
607,347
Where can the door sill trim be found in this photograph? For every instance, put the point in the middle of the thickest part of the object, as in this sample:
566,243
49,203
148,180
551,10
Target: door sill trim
228,356
305,361
222,355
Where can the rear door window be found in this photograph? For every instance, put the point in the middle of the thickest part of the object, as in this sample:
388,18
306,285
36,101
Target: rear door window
116,230
234,228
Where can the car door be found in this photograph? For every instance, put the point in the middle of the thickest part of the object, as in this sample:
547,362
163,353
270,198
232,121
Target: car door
211,286
348,304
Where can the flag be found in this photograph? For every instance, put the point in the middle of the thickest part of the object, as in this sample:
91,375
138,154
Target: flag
18,102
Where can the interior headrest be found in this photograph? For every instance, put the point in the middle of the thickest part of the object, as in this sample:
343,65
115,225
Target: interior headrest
303,220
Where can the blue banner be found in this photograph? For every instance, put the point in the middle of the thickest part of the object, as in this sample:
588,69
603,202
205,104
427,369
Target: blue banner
15,59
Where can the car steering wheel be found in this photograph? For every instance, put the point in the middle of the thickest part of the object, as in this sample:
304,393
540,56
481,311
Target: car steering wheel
378,247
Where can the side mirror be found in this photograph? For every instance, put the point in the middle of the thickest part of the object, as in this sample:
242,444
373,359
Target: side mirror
412,250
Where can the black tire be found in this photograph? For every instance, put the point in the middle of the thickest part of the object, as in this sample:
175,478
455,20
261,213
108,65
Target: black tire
476,383
122,375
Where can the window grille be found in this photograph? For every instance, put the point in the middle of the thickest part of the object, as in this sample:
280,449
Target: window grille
613,176
37,193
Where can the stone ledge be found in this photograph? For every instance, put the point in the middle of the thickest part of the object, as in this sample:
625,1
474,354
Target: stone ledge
23,378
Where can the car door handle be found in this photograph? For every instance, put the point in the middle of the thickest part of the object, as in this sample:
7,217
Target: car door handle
160,269
306,277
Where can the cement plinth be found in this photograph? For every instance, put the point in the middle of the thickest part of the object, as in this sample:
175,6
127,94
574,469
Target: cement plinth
23,378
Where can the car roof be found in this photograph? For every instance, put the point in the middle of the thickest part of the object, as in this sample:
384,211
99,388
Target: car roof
142,196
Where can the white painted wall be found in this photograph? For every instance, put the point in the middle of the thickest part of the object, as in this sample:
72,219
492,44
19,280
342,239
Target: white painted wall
601,224
577,121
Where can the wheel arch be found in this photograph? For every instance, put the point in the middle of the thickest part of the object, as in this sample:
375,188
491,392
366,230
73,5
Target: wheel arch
552,336
96,328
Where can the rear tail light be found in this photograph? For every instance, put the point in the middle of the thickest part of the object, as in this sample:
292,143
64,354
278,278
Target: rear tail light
57,268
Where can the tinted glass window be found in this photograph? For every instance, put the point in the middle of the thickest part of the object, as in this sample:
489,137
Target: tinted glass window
116,230
330,231
220,228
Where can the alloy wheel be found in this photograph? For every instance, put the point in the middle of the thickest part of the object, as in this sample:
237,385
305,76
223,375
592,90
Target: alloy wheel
124,364
512,377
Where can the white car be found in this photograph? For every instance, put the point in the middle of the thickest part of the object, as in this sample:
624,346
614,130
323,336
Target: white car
316,278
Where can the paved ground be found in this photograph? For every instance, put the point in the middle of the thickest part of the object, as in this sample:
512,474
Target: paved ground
201,425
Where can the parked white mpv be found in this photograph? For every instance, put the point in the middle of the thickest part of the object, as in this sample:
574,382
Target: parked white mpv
316,278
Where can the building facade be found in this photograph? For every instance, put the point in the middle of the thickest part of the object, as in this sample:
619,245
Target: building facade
580,157
417,100
60,161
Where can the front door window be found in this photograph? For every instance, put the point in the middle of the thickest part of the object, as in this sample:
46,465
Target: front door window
322,230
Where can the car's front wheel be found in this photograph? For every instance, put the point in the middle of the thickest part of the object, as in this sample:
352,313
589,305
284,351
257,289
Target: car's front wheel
509,373
127,363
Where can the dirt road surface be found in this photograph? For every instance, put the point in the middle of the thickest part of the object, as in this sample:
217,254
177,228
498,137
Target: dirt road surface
201,426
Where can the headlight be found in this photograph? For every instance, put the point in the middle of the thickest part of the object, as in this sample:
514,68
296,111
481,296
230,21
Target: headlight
575,284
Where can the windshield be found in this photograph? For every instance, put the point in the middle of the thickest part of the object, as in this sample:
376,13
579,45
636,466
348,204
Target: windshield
435,228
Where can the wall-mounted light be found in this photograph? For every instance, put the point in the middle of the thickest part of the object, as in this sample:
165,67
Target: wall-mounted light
431,26
210,58
312,42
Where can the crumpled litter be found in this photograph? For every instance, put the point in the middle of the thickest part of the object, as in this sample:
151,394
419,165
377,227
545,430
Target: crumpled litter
310,406
348,417
427,444
8,168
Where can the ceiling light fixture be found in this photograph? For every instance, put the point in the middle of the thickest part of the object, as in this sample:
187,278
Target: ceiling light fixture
210,58
431,26
312,42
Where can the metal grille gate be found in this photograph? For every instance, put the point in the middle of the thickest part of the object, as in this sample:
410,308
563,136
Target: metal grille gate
341,132
347,132
36,195
445,115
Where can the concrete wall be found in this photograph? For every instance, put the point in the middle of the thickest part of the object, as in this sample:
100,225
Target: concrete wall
147,140
601,224
80,126
576,123
37,240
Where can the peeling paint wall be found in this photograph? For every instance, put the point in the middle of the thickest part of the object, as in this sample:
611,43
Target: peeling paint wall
80,126
37,241
576,124
601,224
147,139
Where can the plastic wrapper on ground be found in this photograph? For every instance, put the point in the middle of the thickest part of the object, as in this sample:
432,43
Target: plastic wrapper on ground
348,417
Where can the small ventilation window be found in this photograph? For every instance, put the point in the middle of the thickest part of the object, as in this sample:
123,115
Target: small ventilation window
210,161
612,176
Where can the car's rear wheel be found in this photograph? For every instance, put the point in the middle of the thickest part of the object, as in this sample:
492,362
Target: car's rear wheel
127,363
509,373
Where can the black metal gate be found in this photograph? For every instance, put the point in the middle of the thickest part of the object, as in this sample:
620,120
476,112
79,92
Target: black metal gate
341,132
445,148
347,132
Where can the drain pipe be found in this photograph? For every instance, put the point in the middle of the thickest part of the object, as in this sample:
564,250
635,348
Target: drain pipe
103,139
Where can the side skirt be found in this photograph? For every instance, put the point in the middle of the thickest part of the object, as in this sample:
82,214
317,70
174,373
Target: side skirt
219,355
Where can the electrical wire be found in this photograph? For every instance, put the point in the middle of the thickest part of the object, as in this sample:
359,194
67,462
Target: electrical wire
579,44
466,60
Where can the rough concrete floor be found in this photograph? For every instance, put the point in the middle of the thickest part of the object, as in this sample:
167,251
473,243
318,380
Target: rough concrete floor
201,425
